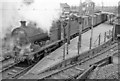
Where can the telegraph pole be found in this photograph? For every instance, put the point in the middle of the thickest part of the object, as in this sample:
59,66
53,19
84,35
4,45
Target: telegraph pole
63,39
80,26
102,5
68,32
92,5
68,38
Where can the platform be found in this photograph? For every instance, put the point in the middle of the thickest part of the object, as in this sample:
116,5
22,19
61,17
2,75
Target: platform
57,56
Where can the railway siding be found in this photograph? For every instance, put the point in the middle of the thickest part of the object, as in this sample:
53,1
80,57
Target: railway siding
92,61
83,56
78,73
76,64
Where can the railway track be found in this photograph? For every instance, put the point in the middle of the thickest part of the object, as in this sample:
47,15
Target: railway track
15,70
11,70
80,70
6,63
76,72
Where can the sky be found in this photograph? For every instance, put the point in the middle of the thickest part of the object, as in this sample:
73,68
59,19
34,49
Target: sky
98,2
76,2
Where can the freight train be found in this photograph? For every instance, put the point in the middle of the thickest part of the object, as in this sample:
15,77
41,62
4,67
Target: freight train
30,40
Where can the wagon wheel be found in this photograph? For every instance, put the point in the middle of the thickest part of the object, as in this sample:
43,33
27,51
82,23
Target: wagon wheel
15,57
30,59
36,57
45,52
16,60
29,62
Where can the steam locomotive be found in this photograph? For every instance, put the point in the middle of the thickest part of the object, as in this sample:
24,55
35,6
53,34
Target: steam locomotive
28,39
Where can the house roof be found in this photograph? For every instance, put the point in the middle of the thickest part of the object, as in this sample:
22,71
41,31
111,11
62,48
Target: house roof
64,5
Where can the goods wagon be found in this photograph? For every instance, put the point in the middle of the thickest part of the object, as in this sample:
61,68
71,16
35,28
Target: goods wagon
85,22
103,17
55,32
110,17
94,20
74,26
90,21
98,15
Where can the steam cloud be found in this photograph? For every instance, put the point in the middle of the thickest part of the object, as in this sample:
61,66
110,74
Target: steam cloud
43,12
9,16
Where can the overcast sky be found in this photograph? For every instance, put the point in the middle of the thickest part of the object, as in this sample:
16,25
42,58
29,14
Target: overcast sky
76,2
98,2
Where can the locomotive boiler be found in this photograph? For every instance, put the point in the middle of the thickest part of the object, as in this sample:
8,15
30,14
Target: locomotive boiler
27,38
29,34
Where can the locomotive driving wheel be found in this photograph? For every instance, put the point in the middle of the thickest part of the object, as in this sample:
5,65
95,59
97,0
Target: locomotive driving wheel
30,59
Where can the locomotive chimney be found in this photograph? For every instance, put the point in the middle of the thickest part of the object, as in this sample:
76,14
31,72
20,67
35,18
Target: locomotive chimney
23,23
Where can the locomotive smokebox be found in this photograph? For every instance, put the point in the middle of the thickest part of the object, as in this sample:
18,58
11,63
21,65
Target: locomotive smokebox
23,23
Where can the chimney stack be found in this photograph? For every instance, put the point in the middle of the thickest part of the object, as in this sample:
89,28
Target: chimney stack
23,23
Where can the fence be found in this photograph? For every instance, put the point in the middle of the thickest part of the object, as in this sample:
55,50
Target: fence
102,38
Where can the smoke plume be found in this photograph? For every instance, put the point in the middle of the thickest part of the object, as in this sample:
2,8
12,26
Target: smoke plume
42,12
9,16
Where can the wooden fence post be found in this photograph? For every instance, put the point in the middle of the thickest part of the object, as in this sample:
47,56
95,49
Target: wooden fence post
99,39
90,43
105,37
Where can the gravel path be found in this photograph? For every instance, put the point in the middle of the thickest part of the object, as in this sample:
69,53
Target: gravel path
107,72
110,71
